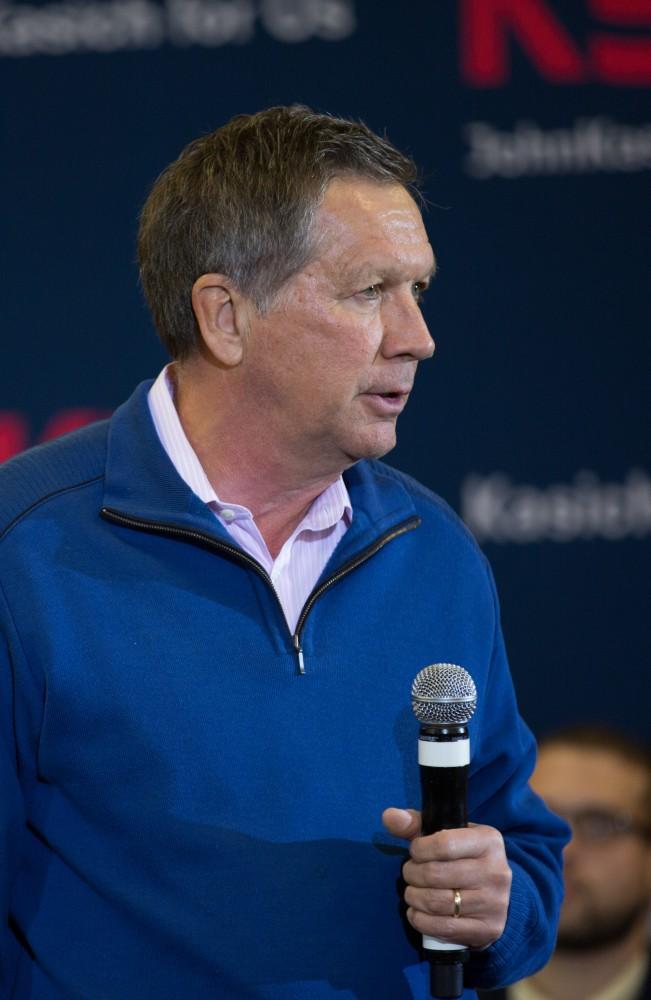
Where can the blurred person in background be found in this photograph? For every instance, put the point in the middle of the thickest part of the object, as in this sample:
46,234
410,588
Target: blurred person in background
600,781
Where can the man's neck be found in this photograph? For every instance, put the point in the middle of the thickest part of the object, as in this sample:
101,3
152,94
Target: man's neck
244,466
582,974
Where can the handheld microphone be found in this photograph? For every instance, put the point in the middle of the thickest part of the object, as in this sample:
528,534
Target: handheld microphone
444,697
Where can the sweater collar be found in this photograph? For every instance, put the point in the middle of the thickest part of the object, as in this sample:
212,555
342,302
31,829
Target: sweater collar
142,483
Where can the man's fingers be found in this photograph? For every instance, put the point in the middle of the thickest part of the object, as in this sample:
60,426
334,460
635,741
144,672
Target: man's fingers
472,933
435,875
440,902
403,823
471,860
452,845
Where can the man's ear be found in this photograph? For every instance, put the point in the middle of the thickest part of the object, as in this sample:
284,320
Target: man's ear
214,302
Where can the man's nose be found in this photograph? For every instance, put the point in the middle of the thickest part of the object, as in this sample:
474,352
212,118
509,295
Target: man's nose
405,330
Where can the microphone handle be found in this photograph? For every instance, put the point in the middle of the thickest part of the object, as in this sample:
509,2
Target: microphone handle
444,756
444,798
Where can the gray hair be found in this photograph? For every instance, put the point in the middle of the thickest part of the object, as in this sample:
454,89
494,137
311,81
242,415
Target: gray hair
241,202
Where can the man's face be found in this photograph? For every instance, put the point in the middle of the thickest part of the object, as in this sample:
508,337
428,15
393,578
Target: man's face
332,363
607,873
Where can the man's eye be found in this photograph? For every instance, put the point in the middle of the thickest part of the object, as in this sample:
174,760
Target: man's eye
418,290
372,292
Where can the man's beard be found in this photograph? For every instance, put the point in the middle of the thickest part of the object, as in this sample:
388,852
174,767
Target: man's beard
598,930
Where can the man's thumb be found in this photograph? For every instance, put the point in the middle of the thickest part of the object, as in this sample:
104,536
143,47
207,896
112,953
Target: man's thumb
403,823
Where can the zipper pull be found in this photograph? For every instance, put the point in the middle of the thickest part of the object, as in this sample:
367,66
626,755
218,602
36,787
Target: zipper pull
299,653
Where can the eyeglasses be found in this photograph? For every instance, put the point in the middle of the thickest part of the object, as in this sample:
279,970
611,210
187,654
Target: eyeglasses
599,826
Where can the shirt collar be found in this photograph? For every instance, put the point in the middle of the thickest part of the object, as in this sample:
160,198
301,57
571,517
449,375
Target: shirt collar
173,439
328,508
625,985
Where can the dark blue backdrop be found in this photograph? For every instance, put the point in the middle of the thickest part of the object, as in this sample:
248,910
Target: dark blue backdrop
530,121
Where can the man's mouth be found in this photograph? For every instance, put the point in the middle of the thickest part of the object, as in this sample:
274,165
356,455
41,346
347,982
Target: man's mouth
397,393
388,402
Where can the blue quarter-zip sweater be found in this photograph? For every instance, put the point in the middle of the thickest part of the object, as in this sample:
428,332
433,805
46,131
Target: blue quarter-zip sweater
183,814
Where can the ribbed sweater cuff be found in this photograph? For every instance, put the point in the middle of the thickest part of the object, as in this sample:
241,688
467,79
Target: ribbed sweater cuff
524,945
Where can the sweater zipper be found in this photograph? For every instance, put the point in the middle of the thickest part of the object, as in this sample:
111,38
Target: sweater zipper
352,564
172,531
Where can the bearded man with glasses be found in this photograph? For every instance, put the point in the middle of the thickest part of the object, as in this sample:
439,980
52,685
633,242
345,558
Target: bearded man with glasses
600,782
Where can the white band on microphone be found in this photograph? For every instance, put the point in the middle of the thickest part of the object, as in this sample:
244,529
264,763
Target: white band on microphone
432,753
434,944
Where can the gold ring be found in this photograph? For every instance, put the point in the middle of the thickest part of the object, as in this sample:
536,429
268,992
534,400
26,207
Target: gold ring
457,903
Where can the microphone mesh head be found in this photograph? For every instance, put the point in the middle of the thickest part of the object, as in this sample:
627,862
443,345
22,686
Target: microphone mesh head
443,694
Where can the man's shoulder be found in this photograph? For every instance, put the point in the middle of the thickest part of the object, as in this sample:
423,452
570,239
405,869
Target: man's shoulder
433,510
49,470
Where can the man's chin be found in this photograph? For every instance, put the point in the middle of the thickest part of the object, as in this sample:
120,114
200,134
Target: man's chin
376,445
594,931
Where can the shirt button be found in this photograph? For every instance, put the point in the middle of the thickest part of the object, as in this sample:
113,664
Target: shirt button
227,514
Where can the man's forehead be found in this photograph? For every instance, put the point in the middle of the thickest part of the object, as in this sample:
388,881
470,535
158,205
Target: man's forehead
357,201
372,227
596,774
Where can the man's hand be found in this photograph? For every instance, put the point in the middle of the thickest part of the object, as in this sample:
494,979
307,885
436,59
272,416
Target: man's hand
472,860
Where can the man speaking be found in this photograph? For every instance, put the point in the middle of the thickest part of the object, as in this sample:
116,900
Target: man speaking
212,607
